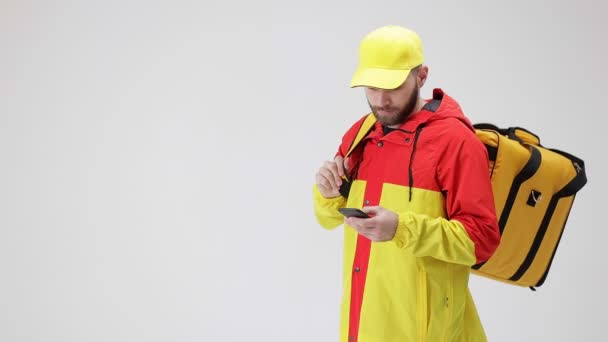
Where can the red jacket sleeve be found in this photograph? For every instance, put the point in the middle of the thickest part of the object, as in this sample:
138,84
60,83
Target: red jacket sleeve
463,174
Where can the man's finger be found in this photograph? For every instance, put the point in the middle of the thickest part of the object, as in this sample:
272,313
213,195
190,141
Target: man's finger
323,183
373,210
333,168
353,222
363,223
370,223
330,176
368,233
327,179
340,165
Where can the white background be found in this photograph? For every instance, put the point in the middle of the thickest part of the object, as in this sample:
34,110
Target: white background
157,160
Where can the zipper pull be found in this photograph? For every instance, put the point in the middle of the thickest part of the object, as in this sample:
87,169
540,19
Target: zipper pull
446,302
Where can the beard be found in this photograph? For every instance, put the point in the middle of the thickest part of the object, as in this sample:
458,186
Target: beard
397,115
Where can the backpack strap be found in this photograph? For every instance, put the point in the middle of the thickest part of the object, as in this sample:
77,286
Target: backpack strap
364,129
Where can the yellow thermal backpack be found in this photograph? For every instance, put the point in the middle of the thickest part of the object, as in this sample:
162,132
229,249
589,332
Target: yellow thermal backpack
534,188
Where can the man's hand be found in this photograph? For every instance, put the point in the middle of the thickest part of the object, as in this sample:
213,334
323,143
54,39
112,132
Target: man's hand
329,177
380,227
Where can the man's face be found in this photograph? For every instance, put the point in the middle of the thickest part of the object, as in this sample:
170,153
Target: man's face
392,107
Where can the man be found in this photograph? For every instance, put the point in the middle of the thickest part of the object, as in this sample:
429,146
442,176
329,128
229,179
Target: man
422,175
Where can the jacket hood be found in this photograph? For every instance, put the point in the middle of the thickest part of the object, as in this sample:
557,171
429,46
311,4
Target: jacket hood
440,107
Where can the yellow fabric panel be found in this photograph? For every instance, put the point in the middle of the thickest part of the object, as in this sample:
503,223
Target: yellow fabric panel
423,229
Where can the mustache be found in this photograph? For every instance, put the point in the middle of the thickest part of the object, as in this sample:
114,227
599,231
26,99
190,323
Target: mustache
388,109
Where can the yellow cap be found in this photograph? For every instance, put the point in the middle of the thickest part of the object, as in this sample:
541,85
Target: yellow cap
386,56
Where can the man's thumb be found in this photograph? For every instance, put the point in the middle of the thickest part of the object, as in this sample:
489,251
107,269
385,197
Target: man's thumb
371,210
347,164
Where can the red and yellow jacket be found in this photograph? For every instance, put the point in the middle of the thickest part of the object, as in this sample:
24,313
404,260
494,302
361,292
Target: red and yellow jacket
433,172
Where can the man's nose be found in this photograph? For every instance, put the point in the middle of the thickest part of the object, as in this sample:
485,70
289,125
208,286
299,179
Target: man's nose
384,98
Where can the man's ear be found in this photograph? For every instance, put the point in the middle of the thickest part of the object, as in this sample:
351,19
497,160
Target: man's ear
423,73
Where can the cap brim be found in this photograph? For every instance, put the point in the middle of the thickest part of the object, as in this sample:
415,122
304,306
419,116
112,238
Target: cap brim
379,78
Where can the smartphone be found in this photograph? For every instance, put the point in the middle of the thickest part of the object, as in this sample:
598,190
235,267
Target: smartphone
353,212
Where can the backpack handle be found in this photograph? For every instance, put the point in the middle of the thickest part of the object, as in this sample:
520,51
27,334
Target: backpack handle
515,133
523,135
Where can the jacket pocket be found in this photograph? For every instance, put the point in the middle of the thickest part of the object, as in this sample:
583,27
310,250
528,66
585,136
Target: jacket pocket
439,300
422,307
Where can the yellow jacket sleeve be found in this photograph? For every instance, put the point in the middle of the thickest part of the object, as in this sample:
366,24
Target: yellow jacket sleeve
435,237
326,209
